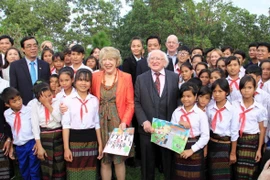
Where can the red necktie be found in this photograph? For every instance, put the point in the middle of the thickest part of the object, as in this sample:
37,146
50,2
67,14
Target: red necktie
179,71
157,82
17,122
242,119
83,104
261,85
185,115
218,113
234,82
47,115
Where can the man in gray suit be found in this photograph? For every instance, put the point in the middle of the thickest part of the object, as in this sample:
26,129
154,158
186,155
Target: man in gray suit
156,95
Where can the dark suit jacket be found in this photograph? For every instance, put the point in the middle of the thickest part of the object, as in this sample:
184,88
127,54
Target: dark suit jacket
142,66
129,66
20,77
144,104
171,65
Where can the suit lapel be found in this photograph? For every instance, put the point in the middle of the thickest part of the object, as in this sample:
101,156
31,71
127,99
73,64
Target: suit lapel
39,68
25,69
169,87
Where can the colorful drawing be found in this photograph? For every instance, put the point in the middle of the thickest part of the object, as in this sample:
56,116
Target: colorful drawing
168,135
120,142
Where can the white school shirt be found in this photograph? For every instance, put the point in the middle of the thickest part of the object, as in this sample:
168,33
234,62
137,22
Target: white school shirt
199,123
25,133
242,72
225,126
62,95
3,84
81,66
253,117
235,93
5,73
71,119
263,98
266,86
38,117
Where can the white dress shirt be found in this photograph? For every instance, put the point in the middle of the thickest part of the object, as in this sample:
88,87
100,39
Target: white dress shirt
161,80
198,123
225,126
266,86
62,95
5,73
242,72
235,93
71,119
25,133
81,66
38,117
253,117
3,84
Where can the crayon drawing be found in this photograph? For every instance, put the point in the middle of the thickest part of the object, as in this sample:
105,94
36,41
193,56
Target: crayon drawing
120,142
168,135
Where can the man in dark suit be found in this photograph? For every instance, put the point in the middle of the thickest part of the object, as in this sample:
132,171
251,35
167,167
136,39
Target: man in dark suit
156,95
172,44
153,43
26,71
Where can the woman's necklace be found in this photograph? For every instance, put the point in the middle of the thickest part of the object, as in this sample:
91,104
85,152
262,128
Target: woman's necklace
107,88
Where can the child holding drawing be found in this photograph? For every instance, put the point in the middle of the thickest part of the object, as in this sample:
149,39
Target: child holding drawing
189,164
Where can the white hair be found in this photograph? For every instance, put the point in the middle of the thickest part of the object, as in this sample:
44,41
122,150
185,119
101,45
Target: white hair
163,53
172,36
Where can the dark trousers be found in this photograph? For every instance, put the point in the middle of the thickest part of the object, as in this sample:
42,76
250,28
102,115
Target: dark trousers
148,154
29,164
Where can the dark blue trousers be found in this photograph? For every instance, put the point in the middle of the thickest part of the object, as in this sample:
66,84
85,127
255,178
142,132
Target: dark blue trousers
29,164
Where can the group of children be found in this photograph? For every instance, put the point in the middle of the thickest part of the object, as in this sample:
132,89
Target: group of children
228,121
58,136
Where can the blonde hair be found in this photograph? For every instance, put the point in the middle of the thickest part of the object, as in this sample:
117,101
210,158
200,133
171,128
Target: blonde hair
110,53
43,44
219,53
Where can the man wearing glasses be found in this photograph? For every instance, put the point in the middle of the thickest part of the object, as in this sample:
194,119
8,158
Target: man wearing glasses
26,71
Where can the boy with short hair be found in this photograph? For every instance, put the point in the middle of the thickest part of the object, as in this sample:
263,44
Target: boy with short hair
67,57
77,55
241,55
58,62
227,51
18,117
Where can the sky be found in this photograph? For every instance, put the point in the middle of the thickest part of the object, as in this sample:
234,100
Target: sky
253,6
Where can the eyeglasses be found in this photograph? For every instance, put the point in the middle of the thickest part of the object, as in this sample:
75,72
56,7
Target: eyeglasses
29,46
152,58
183,53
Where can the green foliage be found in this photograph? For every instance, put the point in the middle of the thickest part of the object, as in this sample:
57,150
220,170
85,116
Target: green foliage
207,23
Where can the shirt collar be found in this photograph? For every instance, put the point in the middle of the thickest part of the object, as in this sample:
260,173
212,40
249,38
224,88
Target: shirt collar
162,72
23,110
255,104
137,59
28,61
227,105
195,108
76,95
175,54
